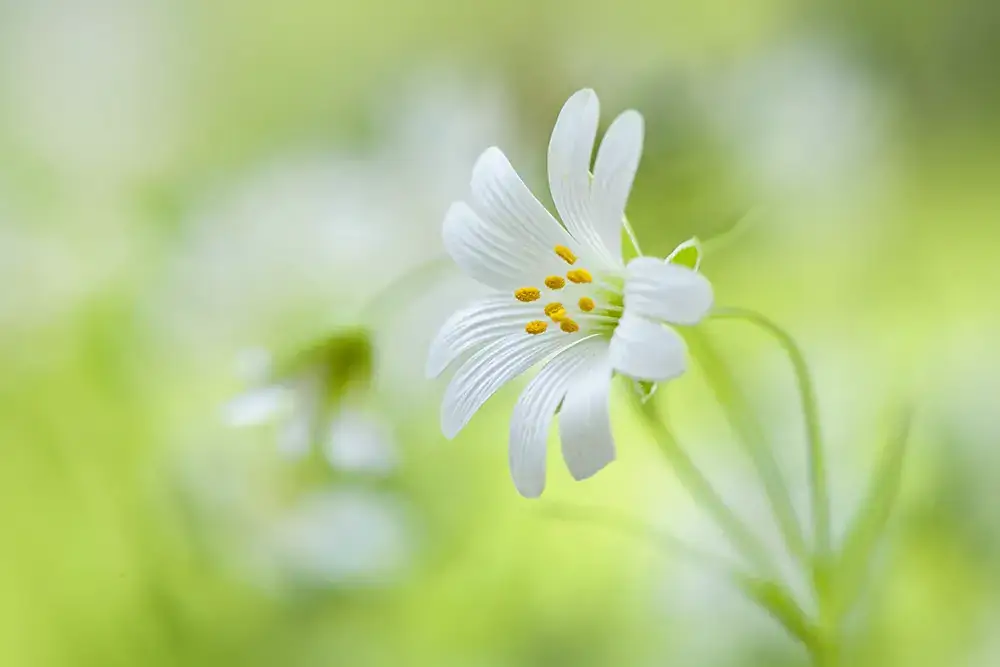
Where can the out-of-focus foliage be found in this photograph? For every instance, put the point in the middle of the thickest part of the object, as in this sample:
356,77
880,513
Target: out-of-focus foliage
181,180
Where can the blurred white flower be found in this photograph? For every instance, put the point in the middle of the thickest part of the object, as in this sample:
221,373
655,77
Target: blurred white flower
318,398
329,536
610,317
360,442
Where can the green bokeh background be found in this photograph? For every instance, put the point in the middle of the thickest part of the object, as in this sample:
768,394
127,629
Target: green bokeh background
180,180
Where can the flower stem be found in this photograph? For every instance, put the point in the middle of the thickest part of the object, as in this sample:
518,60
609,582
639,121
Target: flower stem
771,597
817,468
631,236
743,422
402,288
669,543
703,492
767,592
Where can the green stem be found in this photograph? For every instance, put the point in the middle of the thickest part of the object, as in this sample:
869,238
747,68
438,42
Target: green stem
668,542
631,236
403,287
703,492
868,527
772,597
751,435
817,468
767,592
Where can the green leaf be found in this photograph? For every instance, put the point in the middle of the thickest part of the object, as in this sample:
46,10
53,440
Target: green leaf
868,525
776,601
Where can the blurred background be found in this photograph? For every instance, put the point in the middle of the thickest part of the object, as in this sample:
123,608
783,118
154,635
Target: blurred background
186,183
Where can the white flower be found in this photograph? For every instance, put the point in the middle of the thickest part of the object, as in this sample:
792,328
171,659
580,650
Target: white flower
319,399
565,297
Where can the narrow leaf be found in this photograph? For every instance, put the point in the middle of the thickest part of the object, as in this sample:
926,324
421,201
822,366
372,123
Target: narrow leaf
869,524
779,604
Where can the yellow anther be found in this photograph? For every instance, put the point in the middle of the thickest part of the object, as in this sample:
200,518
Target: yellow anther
566,254
558,315
586,304
555,282
536,327
528,294
569,326
553,307
579,276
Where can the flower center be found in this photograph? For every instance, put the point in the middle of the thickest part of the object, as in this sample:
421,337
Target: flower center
595,303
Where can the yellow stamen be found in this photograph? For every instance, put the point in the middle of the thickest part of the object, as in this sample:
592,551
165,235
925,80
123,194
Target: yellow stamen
566,254
586,304
555,282
536,327
553,309
569,326
527,294
558,315
579,276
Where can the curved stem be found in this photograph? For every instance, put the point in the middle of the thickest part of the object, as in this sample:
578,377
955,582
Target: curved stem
750,433
631,526
767,592
703,492
817,467
403,286
631,236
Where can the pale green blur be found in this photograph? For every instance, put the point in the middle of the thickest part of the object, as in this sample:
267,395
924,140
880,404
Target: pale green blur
181,180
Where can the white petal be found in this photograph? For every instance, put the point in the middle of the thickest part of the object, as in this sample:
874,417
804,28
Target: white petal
257,406
668,292
296,435
489,369
686,254
614,171
532,416
647,350
482,322
486,252
584,421
570,151
502,199
359,442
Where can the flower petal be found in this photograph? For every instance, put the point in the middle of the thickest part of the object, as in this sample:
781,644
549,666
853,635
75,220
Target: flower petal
486,252
257,406
360,442
295,436
571,149
302,425
647,350
668,292
484,321
489,369
614,171
502,199
584,421
532,416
